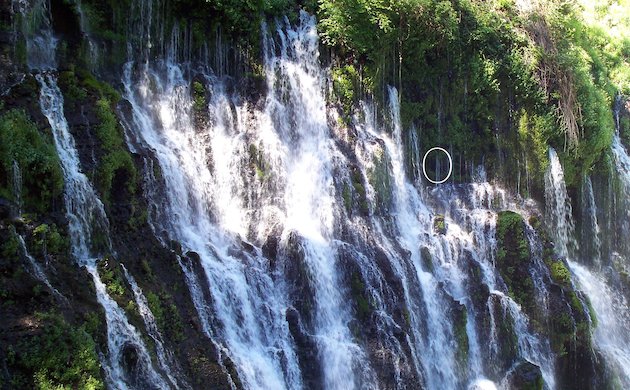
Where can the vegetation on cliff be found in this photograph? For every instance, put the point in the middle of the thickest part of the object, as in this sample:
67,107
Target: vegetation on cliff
28,159
494,81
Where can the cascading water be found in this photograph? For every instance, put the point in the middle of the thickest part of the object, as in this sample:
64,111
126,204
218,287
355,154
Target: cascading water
86,217
613,320
211,203
37,271
558,206
610,305
591,242
84,211
165,358
311,263
16,184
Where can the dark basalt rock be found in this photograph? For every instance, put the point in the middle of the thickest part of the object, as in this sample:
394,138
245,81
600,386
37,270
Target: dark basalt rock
7,210
292,260
525,376
307,350
193,257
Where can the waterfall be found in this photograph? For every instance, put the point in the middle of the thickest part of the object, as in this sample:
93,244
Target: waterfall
621,159
613,320
165,358
41,43
590,231
438,355
558,206
16,185
86,217
37,271
313,254
234,174
610,305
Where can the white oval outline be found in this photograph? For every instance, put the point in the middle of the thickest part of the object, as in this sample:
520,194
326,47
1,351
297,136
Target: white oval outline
450,165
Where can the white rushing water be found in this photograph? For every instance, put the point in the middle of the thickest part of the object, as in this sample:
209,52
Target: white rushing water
165,358
558,206
613,320
86,217
364,289
37,270
247,173
610,305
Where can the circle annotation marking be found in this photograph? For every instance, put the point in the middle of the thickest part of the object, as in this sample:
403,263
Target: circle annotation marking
450,165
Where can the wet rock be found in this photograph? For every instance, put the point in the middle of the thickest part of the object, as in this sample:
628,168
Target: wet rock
427,259
7,210
439,224
193,257
247,246
525,376
306,350
270,249
176,247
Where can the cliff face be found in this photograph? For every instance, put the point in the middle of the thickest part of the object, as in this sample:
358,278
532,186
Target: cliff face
193,197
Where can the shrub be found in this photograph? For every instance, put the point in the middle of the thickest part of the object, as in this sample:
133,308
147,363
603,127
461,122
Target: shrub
60,357
42,178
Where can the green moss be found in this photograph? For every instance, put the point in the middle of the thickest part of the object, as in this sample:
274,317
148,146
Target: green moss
42,178
359,190
380,180
461,335
116,162
258,163
199,96
560,274
439,224
347,197
513,257
166,315
59,357
359,294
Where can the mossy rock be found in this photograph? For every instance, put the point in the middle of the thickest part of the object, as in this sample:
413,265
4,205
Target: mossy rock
363,306
460,321
439,224
514,258
526,376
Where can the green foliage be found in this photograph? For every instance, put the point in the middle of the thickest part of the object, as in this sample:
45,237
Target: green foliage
464,68
48,239
534,132
345,82
112,278
42,178
560,274
10,248
513,257
166,315
117,161
60,357
359,294
199,96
